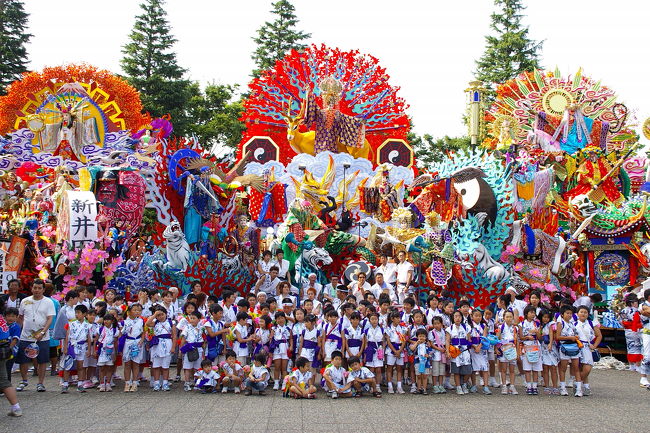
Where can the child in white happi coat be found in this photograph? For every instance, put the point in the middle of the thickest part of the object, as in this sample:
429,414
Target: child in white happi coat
590,337
479,355
395,338
232,373
335,378
374,347
531,359
301,380
107,350
353,336
362,379
77,344
488,317
192,342
242,338
420,350
206,378
259,376
458,346
163,344
90,362
437,339
508,333
281,344
567,336
133,353
332,335
308,344
215,334
550,356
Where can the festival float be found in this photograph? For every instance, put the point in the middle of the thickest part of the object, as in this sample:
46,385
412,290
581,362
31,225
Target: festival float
551,197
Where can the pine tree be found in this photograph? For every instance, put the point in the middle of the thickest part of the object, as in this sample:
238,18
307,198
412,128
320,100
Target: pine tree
510,51
275,39
13,37
151,66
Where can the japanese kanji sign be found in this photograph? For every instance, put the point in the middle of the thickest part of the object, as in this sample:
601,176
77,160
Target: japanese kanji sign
82,220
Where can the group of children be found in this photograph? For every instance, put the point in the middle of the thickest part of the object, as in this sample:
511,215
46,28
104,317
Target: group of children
250,344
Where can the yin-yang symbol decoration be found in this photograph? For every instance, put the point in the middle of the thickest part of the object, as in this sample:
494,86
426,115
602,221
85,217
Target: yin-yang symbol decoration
396,152
262,149
477,195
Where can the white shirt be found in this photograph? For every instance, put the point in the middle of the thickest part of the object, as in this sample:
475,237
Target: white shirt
389,271
356,291
269,286
283,268
376,289
403,270
35,314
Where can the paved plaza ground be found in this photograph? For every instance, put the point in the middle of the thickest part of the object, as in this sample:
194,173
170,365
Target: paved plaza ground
617,404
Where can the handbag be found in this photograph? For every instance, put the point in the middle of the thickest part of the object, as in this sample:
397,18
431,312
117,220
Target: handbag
570,349
509,352
5,351
595,355
532,353
193,354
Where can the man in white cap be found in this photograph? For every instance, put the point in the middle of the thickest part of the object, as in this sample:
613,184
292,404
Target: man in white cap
311,282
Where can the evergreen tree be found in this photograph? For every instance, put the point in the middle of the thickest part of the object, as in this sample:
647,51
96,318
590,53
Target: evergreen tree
428,150
275,39
13,37
151,67
215,114
509,51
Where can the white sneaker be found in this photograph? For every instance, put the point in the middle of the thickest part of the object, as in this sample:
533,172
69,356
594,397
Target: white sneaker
390,388
224,390
586,391
459,390
644,381
400,390
563,391
414,389
237,390
569,384
578,392
513,390
504,390
276,386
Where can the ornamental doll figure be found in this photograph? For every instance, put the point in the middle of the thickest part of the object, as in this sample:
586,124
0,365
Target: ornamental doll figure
590,176
333,128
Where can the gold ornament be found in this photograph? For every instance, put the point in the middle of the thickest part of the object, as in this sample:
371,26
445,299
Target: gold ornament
556,101
646,128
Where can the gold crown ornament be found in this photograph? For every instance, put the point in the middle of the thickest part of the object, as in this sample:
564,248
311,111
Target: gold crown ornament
330,86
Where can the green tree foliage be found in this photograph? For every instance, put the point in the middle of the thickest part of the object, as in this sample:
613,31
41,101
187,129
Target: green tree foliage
429,150
151,67
509,51
13,37
215,114
275,39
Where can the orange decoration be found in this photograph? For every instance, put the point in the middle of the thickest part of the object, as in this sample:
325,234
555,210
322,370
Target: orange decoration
124,95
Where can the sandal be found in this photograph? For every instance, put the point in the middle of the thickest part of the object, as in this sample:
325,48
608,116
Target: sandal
376,394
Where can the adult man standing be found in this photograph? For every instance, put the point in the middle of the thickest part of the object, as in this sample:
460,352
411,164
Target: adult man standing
13,297
282,264
35,315
404,276
387,269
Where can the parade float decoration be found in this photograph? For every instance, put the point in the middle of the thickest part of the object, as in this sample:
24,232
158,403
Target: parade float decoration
324,99
571,142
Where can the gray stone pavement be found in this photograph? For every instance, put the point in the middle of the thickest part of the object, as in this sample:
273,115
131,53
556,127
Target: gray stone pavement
617,404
